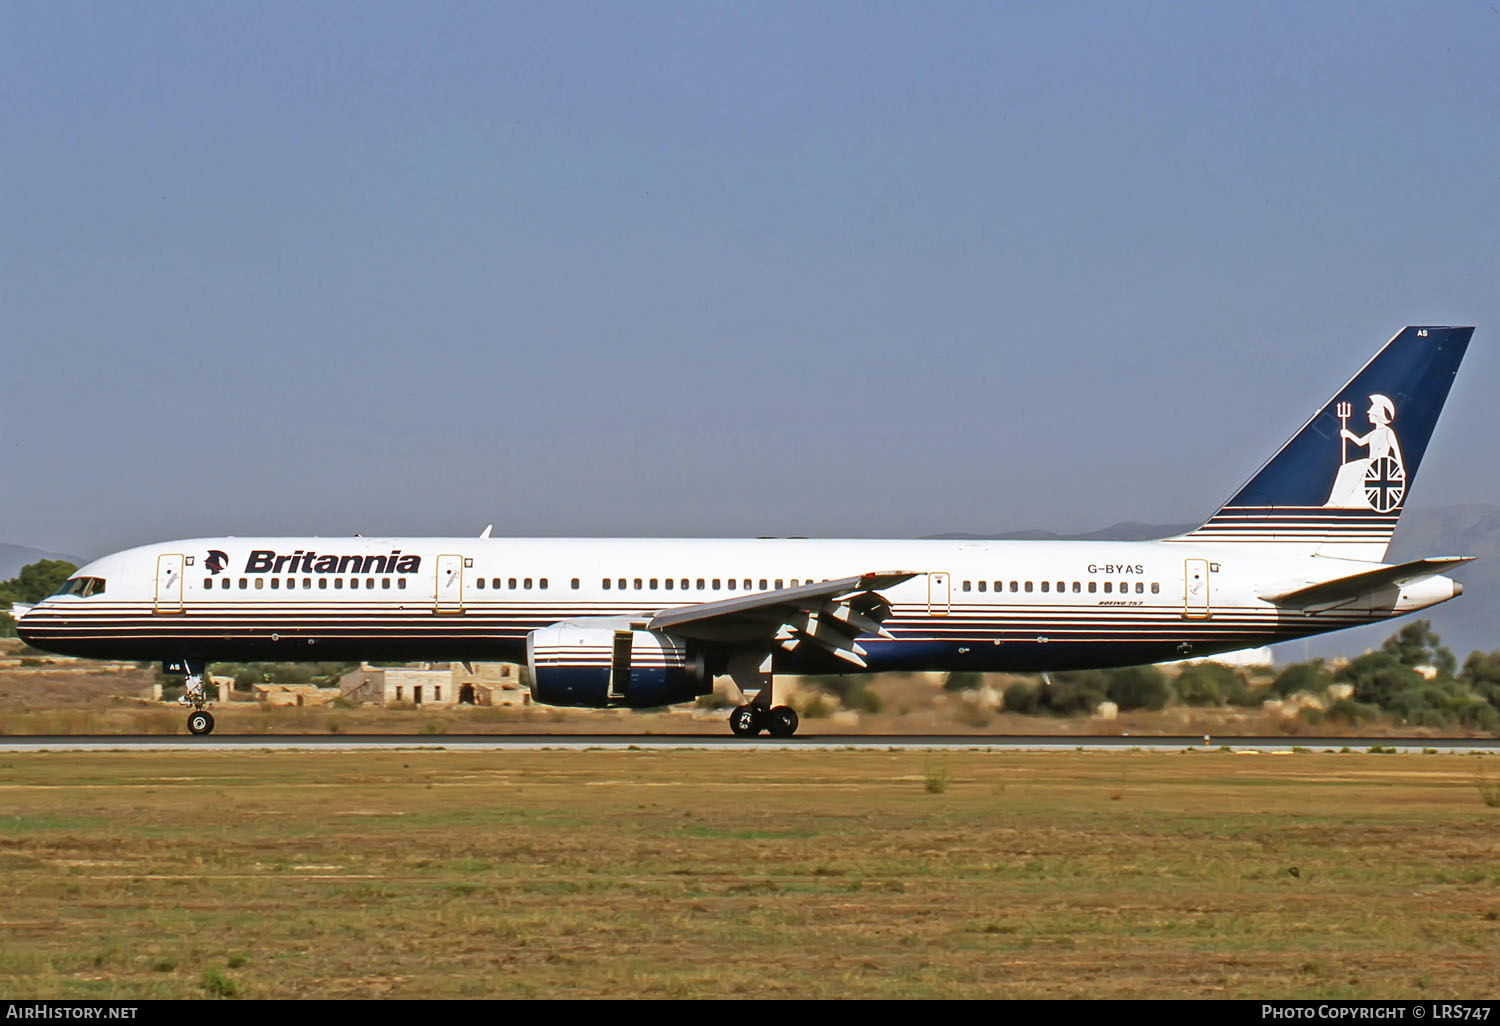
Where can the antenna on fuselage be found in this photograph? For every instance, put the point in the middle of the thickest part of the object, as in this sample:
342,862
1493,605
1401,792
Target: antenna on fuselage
486,532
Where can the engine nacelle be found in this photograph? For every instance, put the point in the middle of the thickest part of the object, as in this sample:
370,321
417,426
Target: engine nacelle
598,665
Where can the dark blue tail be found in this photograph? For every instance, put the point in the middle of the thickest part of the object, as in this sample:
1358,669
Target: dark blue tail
1339,485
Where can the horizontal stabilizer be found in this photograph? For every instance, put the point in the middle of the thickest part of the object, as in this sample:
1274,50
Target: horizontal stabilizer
1359,584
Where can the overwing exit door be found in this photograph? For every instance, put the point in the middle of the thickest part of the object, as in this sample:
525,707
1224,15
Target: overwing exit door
939,594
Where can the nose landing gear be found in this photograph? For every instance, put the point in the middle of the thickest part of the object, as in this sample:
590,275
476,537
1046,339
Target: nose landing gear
200,720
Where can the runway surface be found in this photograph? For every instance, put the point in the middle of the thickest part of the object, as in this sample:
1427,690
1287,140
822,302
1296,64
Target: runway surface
866,742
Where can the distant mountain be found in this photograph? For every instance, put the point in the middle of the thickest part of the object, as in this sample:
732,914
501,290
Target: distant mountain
13,557
1469,622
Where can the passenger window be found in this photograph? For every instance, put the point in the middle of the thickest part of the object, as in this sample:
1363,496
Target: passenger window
668,582
966,586
575,584
401,582
1076,588
1124,587
306,582
637,584
542,584
526,584
748,582
700,584
1028,586
1045,585
370,583
1106,587
684,584
622,583
354,583
653,584
606,584
1155,588
981,585
291,582
260,582
208,582
1140,587
1093,587
385,584
778,584
244,583
479,584
495,583
224,585
511,583
338,583
323,583
716,584
762,584
1062,585
794,582
1015,586
731,584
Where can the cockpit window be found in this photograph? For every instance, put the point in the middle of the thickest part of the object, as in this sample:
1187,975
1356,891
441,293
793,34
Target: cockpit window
81,586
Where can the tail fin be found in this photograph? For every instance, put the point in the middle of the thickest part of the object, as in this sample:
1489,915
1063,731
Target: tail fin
1338,487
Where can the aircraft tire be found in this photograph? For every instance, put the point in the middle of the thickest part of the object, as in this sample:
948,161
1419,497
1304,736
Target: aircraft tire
745,721
783,721
201,722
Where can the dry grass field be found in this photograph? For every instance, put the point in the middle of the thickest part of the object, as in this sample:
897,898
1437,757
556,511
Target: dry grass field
746,873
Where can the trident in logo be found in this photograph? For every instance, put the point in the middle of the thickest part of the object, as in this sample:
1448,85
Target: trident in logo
1345,410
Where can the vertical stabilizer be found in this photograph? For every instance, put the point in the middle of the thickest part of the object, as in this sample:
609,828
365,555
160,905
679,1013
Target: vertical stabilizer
1338,487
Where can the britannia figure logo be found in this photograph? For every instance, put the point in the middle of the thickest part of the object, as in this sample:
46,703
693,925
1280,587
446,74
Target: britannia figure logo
1378,481
216,561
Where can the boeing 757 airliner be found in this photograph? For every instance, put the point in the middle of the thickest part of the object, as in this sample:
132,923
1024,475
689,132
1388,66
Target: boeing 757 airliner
1298,550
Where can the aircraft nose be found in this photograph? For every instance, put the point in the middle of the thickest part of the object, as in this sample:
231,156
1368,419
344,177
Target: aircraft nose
19,614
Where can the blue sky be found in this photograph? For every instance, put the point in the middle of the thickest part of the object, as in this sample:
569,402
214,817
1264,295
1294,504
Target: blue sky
720,269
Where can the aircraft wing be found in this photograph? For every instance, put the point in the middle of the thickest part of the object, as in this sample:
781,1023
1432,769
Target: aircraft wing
825,614
1355,585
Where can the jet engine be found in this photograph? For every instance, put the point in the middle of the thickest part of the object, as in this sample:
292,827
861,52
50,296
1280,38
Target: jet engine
612,664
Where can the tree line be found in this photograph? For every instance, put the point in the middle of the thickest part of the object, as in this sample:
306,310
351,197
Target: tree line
1411,680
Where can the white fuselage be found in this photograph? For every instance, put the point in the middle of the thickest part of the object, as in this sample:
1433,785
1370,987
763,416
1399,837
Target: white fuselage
973,605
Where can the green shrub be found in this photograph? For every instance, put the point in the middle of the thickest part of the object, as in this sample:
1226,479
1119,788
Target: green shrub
1022,698
1312,677
816,708
963,680
1139,687
1350,711
1378,677
852,689
1209,684
218,983
1479,715
1073,693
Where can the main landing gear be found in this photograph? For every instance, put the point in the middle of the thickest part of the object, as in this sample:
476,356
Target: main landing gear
200,720
750,720
751,672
